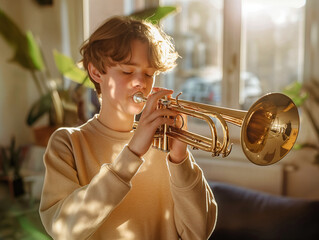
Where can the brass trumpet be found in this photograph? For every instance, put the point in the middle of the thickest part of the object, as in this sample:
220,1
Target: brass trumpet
269,128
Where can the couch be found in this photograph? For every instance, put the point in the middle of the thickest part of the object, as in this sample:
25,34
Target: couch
248,214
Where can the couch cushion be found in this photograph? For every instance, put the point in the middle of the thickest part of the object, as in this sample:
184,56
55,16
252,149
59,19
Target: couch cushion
248,214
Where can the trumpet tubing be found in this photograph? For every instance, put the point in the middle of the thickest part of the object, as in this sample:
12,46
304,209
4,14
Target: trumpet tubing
269,128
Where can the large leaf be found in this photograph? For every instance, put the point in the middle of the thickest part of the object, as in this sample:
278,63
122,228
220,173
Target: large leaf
68,68
29,227
39,108
26,50
154,15
10,31
294,91
34,52
47,103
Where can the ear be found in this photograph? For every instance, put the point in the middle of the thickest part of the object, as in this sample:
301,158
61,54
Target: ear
94,73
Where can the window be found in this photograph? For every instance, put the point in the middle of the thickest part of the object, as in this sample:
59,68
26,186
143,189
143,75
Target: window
197,32
233,52
271,49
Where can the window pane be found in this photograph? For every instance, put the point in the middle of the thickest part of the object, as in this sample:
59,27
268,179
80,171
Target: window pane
197,32
272,46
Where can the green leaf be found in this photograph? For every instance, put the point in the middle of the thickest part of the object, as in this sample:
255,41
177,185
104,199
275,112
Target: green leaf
298,146
294,91
34,52
33,231
154,15
68,68
26,50
10,32
39,108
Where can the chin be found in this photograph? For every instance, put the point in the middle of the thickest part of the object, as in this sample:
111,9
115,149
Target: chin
135,109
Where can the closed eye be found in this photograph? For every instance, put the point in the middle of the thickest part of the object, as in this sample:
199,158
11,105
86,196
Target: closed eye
148,75
127,73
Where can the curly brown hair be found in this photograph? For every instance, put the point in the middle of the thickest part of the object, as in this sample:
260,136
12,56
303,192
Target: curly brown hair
111,44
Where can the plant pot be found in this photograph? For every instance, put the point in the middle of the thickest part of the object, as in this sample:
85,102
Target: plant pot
43,134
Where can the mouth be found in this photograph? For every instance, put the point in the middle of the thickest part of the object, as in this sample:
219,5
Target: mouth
138,97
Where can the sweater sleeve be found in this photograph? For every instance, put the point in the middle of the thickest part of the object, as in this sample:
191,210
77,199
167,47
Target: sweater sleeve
71,211
195,209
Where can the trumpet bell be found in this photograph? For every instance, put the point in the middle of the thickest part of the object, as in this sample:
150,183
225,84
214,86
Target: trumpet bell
270,129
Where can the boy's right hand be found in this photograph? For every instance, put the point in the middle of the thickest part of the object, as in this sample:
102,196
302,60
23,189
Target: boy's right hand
150,120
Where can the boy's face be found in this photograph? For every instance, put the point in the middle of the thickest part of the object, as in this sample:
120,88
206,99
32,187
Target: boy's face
122,81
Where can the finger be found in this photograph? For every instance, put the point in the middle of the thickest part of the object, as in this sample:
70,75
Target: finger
158,113
152,100
161,121
160,93
157,89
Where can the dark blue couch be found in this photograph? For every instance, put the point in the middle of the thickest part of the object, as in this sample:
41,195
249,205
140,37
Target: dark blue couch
247,214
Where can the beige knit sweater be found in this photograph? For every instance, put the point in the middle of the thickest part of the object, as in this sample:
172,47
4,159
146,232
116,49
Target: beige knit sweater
96,188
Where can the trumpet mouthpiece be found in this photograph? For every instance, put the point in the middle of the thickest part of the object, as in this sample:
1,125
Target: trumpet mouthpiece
138,97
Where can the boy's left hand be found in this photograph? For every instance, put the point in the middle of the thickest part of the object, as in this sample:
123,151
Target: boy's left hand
178,149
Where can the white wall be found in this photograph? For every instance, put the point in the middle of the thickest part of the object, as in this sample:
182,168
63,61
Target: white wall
97,11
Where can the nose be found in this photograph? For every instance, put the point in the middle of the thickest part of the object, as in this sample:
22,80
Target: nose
139,81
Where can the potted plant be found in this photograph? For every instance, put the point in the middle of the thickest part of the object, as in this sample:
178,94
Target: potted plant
52,98
10,164
306,96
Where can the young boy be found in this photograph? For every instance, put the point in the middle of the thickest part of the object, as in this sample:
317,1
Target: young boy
103,181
